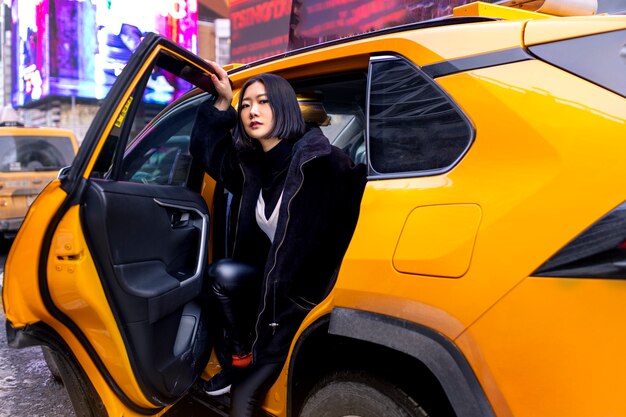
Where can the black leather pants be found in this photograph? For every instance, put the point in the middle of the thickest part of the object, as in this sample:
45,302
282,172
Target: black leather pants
249,389
236,287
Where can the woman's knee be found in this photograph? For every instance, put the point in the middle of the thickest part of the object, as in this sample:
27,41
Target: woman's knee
231,276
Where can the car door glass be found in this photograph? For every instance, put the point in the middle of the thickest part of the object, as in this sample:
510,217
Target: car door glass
149,142
160,153
414,127
165,164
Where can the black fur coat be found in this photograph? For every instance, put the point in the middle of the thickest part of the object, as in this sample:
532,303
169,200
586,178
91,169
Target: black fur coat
318,214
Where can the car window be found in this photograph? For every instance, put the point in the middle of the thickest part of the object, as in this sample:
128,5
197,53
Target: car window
150,145
160,153
160,164
35,153
413,126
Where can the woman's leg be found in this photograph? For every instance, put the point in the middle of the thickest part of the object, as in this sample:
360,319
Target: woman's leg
250,387
236,287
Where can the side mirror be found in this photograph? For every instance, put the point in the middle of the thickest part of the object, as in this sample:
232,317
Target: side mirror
62,174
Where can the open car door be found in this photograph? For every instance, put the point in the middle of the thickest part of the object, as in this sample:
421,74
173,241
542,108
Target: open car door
124,253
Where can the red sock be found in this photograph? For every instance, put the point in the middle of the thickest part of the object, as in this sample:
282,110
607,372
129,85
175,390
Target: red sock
242,361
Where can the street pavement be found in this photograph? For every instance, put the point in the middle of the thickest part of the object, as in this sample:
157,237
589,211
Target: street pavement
27,388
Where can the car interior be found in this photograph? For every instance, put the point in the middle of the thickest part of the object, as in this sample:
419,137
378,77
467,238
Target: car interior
342,98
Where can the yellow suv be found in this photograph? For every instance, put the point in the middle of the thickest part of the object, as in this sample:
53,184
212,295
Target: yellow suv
486,271
29,159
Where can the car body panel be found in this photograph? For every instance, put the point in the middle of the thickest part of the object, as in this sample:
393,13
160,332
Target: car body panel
83,300
481,38
20,269
23,284
447,252
544,352
557,209
558,29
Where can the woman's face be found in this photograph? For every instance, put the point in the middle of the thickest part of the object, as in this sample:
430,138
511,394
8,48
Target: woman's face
257,116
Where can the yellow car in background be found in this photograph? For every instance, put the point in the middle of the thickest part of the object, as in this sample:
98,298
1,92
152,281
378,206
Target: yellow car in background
30,157
487,272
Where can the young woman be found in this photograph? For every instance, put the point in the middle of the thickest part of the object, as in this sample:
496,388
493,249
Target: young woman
297,201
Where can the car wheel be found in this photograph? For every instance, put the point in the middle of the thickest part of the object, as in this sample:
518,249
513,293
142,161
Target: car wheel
52,365
84,398
351,394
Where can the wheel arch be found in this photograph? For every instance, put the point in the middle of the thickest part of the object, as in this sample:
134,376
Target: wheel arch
81,392
421,361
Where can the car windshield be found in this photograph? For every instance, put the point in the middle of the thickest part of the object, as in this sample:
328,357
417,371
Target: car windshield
35,153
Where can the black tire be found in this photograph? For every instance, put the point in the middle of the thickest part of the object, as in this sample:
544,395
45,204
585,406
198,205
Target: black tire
83,395
352,394
52,365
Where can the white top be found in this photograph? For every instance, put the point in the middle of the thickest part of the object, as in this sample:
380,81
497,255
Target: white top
267,225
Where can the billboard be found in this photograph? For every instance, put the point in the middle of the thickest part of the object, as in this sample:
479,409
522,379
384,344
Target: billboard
258,28
318,21
78,47
261,28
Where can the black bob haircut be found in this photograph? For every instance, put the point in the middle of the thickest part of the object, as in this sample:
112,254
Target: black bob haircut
288,121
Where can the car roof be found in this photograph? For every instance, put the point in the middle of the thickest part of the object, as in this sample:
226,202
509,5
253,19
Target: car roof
446,21
22,127
21,130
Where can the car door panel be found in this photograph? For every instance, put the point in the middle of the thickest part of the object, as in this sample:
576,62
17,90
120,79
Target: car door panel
154,257
149,244
147,359
138,244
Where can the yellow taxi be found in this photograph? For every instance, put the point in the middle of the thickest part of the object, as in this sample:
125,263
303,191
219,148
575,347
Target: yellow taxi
486,271
30,157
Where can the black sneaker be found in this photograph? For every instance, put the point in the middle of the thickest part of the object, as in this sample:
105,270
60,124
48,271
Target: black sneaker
220,383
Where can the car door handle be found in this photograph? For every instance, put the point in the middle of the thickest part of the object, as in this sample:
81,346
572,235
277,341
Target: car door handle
185,212
179,219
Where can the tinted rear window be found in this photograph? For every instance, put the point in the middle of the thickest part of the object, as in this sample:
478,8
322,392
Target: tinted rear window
414,126
600,58
35,153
